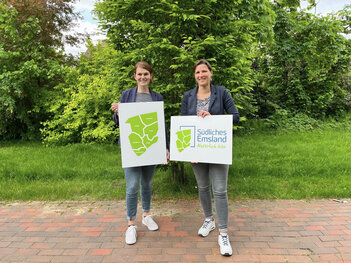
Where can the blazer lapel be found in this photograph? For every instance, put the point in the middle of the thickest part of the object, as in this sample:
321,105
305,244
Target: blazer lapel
213,97
133,94
153,95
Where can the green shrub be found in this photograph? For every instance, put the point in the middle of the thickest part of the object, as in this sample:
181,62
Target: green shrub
81,105
284,120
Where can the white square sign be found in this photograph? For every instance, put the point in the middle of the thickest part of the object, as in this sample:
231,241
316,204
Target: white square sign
142,133
205,140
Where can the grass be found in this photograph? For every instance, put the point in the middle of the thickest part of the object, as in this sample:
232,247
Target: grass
31,171
294,165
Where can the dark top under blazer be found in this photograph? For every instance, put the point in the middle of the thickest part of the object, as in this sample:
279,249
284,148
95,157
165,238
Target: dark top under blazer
221,101
130,96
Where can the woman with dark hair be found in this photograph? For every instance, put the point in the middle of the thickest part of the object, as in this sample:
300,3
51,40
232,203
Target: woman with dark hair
142,175
204,100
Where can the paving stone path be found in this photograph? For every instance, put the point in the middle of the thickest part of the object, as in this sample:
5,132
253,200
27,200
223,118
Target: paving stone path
260,231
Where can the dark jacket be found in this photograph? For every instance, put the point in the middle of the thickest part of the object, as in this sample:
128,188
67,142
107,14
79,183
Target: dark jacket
130,96
221,101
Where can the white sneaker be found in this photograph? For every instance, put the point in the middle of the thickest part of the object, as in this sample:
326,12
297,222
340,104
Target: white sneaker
149,222
224,245
131,235
207,227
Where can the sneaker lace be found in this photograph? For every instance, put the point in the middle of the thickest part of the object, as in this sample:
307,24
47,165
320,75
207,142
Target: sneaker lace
206,223
224,240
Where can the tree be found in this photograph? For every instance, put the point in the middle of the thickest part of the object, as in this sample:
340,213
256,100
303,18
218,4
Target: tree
31,32
302,71
172,35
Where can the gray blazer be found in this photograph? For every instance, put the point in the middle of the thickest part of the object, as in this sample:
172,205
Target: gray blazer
221,101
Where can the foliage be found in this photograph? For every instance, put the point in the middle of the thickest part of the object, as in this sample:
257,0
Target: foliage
172,35
283,119
282,122
30,33
81,103
305,71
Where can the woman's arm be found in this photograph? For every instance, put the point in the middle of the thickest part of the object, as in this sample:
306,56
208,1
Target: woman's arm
184,108
114,108
230,107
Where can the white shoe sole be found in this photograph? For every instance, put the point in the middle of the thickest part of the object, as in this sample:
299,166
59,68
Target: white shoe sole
130,243
149,228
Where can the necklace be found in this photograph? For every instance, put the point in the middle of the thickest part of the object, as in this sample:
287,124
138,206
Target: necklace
205,101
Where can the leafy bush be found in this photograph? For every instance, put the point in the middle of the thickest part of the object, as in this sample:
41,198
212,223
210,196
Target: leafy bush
81,104
284,120
306,69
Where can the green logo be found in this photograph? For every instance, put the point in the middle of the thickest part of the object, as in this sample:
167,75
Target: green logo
183,139
144,129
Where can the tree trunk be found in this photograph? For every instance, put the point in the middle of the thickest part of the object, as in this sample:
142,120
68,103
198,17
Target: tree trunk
178,173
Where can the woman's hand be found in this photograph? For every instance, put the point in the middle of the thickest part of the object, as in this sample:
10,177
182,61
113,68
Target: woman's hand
114,107
203,113
167,154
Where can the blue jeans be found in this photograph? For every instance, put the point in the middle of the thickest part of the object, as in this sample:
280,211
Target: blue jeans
136,176
217,175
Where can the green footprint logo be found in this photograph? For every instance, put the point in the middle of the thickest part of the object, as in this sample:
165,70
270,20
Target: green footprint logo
183,139
144,129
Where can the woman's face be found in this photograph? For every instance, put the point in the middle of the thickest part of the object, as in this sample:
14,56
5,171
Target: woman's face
203,75
142,77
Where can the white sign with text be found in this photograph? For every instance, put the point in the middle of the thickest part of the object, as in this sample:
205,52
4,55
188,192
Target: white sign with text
205,140
142,133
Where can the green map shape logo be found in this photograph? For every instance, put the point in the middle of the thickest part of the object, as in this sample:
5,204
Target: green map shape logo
144,130
183,139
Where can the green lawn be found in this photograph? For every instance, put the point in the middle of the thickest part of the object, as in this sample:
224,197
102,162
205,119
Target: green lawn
31,171
289,165
295,165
